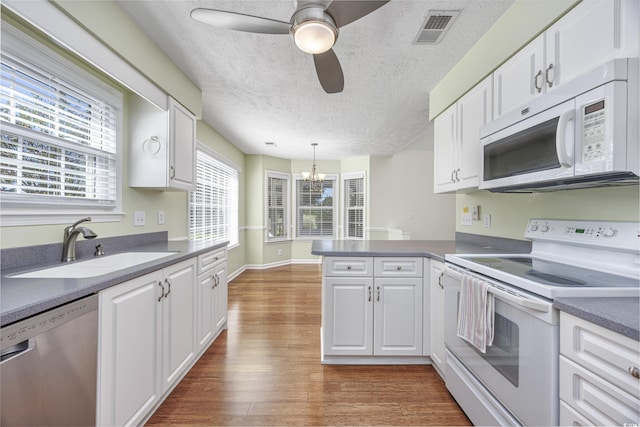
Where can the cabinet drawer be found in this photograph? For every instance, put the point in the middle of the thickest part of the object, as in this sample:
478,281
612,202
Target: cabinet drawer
397,267
571,417
598,400
210,259
348,266
608,354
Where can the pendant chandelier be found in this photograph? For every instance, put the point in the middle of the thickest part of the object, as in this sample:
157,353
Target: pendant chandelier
313,178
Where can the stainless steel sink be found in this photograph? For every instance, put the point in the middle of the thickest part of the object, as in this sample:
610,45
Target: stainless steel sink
95,266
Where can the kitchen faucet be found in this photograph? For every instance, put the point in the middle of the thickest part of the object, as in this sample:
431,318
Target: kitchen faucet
71,235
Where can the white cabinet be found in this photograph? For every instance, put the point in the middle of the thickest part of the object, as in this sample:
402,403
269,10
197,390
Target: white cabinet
599,381
212,296
146,341
372,314
436,271
457,139
129,347
592,33
162,146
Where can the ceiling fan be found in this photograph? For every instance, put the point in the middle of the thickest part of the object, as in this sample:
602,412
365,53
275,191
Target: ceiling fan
313,26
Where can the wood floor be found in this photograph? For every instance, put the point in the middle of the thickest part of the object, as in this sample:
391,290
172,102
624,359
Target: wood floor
265,370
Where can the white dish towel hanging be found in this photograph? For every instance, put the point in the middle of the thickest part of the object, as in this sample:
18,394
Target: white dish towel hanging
475,313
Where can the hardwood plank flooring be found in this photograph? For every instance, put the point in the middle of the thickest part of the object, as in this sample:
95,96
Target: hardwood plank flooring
265,369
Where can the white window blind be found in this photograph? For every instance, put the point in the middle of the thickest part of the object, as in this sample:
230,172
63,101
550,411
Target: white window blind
315,209
277,205
213,206
354,207
58,142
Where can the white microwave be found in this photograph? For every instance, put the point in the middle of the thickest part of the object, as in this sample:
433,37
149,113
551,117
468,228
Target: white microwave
582,134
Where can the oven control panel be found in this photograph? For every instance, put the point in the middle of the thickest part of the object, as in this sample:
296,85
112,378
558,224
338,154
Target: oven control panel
600,233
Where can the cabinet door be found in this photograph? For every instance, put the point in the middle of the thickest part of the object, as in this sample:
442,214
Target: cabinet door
205,304
397,316
129,349
437,315
594,32
178,320
519,80
347,318
182,135
444,150
220,298
475,109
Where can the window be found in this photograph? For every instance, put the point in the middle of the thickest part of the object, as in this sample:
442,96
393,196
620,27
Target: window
60,132
315,209
354,206
213,206
277,196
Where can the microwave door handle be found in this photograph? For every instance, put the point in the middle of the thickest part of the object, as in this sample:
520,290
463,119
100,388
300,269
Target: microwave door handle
564,156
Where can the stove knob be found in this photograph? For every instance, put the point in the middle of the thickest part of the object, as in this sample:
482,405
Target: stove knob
544,228
534,227
609,232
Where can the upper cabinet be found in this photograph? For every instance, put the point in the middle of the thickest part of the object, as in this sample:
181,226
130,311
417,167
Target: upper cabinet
457,139
162,146
592,33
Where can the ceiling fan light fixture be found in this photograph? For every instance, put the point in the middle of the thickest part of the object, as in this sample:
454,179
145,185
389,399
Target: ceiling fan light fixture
314,36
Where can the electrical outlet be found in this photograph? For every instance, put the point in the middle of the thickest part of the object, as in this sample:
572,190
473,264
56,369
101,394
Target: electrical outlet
279,252
139,218
160,217
487,221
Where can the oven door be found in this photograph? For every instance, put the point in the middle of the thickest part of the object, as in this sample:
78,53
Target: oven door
520,368
537,149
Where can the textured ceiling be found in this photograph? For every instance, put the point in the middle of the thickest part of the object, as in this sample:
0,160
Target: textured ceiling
259,87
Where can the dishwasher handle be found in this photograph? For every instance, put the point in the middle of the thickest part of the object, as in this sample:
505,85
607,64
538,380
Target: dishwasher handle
15,350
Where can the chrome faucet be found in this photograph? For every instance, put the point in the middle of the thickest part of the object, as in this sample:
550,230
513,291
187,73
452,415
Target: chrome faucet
71,235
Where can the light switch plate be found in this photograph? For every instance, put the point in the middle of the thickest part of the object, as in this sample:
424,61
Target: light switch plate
139,218
466,219
487,221
160,217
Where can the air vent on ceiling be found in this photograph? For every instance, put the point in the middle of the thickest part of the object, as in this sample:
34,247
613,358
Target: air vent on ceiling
436,24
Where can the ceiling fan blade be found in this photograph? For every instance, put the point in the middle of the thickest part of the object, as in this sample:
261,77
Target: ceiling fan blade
345,12
240,21
329,71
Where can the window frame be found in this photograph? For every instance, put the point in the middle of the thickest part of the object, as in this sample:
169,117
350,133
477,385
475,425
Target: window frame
42,212
235,212
286,208
345,204
296,209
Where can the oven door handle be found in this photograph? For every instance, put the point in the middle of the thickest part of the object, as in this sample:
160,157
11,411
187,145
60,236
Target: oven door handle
524,302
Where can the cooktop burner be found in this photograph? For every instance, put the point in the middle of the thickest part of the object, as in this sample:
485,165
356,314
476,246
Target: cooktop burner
553,273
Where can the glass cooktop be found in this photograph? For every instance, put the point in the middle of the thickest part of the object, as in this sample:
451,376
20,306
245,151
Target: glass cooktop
554,273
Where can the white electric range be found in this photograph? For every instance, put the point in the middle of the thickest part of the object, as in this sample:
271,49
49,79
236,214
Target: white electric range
516,381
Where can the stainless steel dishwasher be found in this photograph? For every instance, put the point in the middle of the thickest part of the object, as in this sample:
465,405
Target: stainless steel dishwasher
48,367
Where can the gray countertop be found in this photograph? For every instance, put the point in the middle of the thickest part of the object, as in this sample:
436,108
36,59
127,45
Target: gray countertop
620,315
21,297
436,249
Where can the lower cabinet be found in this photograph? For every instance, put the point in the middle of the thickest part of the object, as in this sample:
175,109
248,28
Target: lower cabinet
436,319
152,330
599,375
212,296
375,314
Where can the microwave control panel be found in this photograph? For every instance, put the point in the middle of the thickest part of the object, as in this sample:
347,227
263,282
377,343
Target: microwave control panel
594,145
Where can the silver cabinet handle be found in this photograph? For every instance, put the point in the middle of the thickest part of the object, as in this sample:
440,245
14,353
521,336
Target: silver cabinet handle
348,267
168,287
213,280
369,293
173,172
536,79
161,293
378,297
634,371
452,177
399,268
547,72
440,280
458,175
